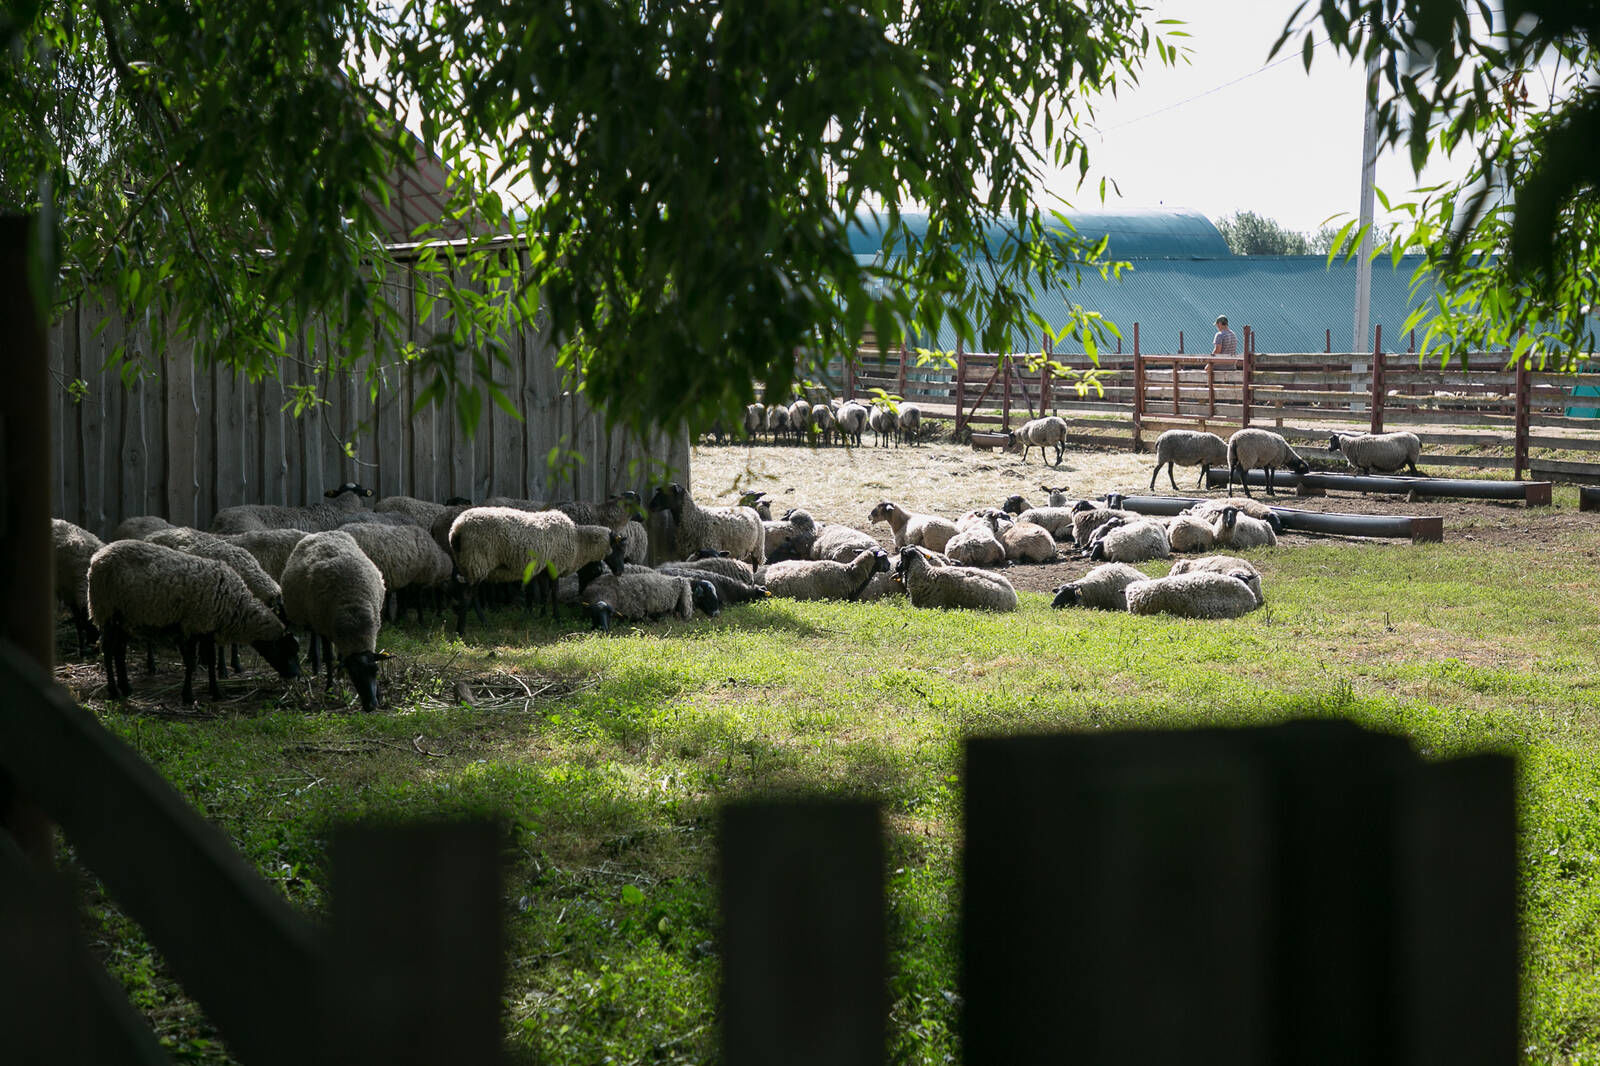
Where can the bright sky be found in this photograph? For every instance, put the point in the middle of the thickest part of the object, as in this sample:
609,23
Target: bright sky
1280,142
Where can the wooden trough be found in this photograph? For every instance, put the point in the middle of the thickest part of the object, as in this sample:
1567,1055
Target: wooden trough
1533,493
1419,529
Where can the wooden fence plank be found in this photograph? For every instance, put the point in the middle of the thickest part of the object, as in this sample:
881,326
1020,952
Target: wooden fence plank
178,399
803,968
204,399
124,821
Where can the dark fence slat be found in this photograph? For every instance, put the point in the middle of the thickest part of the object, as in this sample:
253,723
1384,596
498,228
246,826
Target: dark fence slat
803,973
237,947
416,962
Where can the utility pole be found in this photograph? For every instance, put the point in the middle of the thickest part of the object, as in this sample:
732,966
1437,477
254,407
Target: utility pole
1369,168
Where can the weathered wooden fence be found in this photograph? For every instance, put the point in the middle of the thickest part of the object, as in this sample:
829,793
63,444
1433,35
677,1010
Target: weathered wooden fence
1476,404
184,440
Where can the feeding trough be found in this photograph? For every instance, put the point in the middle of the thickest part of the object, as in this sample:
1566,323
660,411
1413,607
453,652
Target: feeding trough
1533,493
1416,528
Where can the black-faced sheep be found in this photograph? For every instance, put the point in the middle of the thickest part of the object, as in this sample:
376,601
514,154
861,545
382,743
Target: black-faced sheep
813,579
1102,588
928,585
1188,447
1197,594
333,589
343,502
1250,448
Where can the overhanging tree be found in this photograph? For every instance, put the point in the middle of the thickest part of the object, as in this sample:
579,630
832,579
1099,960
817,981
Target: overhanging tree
683,173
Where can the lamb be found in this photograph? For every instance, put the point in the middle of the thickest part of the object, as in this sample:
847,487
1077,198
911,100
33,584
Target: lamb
1131,542
408,559
1187,447
344,501
139,527
885,425
137,586
646,596
841,543
736,530
807,579
269,547
1250,448
777,422
1057,497
928,585
1381,453
1198,594
1103,588
500,543
1190,533
924,530
755,420
910,423
975,546
1026,542
1087,520
822,421
1236,530
73,547
333,589
1041,433
852,421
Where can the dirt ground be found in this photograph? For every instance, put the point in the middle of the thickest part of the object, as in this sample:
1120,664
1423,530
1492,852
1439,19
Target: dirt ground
842,485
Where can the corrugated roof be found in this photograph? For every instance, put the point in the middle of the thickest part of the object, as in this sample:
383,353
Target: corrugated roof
1289,301
1132,233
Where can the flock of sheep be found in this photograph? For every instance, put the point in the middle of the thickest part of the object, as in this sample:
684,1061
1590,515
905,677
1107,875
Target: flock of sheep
834,421
336,570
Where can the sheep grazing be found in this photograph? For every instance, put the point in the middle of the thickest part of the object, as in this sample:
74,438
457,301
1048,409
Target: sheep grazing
1187,447
1130,542
755,420
343,502
138,527
800,419
1250,448
1378,453
269,547
334,590
1190,533
1233,529
841,543
923,530
810,579
500,543
930,585
73,547
777,422
1103,588
1041,433
1197,594
136,586
408,559
852,421
736,530
885,425
910,423
822,421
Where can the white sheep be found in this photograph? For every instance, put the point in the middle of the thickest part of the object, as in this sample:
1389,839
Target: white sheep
923,530
1198,594
841,543
334,590
911,423
1250,448
885,425
852,421
1087,520
1026,542
1221,564
1234,529
1190,533
408,559
1041,433
73,547
929,585
138,527
975,545
638,542
1380,453
731,589
139,587
800,419
822,420
1188,447
755,420
343,502
735,530
791,538
644,596
1138,541
501,543
1102,588
777,422
814,579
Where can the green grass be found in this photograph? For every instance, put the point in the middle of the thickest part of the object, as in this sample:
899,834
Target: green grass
610,773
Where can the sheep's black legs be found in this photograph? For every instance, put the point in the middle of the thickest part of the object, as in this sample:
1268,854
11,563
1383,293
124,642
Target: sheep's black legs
213,653
1205,468
1169,478
114,646
149,657
1267,471
188,647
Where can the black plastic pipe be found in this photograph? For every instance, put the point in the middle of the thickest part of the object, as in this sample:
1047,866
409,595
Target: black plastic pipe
1295,521
1460,488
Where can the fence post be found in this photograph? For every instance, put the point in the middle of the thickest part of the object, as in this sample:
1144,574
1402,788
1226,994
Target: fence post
1247,364
1521,399
1327,344
850,378
1005,396
1138,390
1177,390
900,389
1044,378
961,385
27,604
1378,389
1180,342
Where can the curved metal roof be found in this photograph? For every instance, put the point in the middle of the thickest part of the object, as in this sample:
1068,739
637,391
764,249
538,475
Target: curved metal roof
1134,234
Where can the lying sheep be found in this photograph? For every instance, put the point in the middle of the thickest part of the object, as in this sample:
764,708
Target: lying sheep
1378,453
1087,520
1233,529
737,569
928,585
1026,542
731,590
1102,588
1250,448
885,425
343,502
736,530
1207,510
923,530
811,579
841,543
1197,594
334,590
791,538
73,547
1221,564
1190,533
1058,520
646,596
1188,447
852,421
139,587
1041,433
975,546
1138,541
